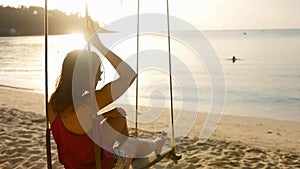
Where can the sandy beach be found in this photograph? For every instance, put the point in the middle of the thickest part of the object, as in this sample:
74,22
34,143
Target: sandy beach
238,142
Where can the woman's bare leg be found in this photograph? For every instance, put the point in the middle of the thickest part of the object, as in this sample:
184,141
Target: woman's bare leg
119,124
136,148
114,129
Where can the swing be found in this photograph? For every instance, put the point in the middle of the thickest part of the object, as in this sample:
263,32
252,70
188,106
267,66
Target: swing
150,161
147,162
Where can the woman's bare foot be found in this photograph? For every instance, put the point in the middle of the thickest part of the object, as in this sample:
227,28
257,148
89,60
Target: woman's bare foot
160,141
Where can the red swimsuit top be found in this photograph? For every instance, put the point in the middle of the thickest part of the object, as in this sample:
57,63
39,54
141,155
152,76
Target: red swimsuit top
76,151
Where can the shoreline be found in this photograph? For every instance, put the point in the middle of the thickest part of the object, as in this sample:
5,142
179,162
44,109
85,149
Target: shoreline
236,143
25,100
4,89
14,87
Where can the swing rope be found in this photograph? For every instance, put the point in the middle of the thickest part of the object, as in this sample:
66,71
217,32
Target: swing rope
170,74
172,153
48,143
137,70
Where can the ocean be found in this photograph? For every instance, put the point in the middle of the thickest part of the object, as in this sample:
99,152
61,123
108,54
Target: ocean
264,80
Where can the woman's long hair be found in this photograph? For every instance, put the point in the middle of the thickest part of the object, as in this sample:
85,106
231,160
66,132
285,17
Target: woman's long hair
79,68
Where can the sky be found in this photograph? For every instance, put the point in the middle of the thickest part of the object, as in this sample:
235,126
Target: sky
204,14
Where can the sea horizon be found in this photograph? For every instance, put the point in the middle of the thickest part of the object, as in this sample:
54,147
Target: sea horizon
201,30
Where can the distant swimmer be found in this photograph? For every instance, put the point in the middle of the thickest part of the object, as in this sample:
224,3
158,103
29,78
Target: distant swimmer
233,59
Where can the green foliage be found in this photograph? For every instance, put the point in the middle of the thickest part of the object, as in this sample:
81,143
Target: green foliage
30,21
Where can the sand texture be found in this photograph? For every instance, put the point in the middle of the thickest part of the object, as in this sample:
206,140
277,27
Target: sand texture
238,142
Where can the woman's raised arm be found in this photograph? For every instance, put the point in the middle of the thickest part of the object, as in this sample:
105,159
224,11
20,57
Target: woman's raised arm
115,89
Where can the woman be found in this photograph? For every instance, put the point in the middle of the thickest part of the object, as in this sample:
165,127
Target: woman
71,114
